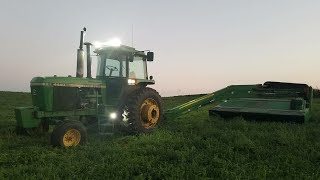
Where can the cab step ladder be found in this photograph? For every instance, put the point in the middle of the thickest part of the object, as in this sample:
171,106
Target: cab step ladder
106,127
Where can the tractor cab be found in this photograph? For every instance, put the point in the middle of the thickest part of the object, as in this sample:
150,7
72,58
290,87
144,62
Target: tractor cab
124,70
124,62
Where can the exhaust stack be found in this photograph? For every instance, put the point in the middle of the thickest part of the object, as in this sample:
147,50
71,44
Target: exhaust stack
89,60
80,55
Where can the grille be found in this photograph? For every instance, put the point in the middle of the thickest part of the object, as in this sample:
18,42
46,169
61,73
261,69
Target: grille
65,98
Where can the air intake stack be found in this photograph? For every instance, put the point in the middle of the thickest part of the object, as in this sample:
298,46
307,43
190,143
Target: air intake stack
89,60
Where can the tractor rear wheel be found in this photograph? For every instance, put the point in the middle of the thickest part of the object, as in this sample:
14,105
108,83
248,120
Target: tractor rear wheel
69,134
143,110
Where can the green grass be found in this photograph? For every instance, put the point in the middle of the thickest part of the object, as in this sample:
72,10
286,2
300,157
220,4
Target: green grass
192,146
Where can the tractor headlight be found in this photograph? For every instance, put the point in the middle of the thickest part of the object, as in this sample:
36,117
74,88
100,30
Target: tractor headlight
131,81
115,42
113,115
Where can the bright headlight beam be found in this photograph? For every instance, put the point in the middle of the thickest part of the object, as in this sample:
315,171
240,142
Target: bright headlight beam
113,115
115,42
97,44
131,81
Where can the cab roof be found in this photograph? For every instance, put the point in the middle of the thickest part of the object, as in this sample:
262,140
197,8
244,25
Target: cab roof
121,48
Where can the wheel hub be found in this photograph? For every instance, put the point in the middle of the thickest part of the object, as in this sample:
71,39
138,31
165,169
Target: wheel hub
72,137
149,113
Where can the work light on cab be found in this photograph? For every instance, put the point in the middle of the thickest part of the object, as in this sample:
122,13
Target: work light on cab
115,42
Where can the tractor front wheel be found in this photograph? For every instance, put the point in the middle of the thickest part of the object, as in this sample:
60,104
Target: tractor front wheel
69,134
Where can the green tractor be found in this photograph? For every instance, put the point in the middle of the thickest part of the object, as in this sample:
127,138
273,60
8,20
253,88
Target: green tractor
118,96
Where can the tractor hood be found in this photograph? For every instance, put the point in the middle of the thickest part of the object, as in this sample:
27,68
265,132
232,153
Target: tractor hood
61,93
67,82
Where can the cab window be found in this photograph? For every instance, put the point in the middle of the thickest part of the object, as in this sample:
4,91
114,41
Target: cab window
112,66
137,68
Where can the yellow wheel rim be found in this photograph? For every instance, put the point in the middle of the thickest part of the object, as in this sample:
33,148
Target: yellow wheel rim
72,137
149,113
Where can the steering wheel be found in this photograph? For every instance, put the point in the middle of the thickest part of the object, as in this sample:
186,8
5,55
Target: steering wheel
112,68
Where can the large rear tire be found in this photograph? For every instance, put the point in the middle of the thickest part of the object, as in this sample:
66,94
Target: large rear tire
143,111
69,134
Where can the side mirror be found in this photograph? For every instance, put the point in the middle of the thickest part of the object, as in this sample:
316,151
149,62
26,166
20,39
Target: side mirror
150,56
130,57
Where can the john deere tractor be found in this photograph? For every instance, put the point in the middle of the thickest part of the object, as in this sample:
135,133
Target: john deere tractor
118,96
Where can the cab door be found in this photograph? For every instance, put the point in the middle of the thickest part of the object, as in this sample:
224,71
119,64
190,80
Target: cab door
116,80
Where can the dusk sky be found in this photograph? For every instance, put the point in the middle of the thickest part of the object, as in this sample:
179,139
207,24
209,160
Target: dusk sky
200,46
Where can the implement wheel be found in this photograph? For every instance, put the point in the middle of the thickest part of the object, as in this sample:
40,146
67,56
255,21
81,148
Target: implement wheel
69,134
144,110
